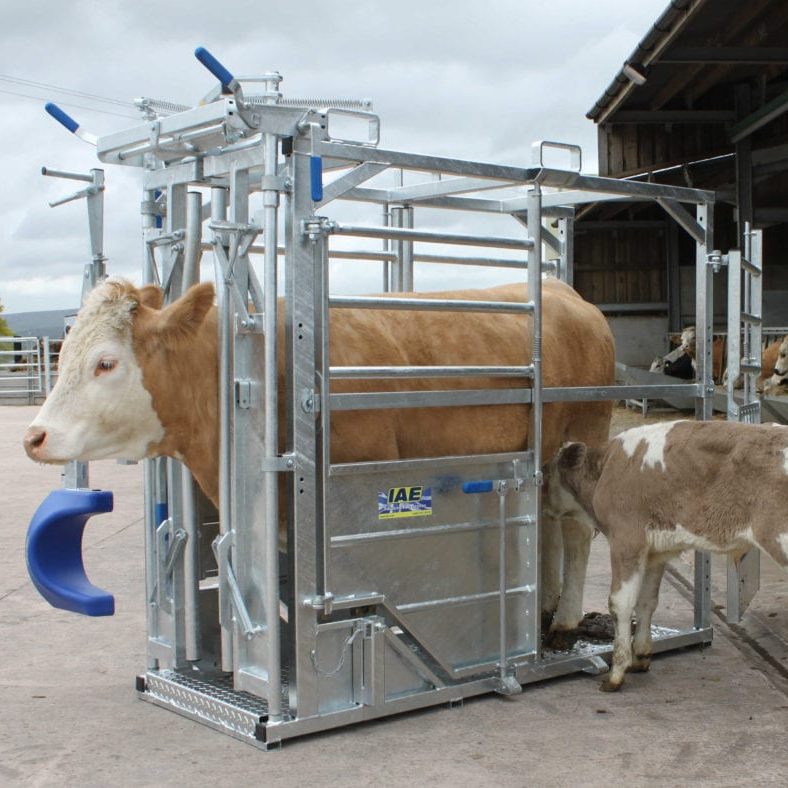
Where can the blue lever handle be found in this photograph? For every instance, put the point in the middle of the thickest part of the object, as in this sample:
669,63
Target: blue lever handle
470,488
61,117
316,177
214,66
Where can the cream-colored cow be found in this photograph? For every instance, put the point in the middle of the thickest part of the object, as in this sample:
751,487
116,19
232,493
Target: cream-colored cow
137,380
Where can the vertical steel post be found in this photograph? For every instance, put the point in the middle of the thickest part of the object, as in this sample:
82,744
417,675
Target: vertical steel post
225,315
47,367
386,221
271,434
535,295
150,276
704,311
191,556
566,237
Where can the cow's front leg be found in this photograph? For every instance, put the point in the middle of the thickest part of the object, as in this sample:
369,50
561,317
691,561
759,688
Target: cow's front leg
550,544
577,546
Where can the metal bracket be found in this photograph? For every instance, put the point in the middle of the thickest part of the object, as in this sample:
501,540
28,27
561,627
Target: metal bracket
283,464
310,401
243,393
317,227
251,323
507,685
596,665
716,259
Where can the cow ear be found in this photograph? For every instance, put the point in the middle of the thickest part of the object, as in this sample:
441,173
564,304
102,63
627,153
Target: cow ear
185,316
151,296
572,456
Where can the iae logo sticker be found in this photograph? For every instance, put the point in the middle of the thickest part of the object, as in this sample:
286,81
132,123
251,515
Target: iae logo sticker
415,501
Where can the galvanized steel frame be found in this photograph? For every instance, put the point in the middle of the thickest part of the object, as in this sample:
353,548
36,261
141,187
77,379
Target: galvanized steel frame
212,146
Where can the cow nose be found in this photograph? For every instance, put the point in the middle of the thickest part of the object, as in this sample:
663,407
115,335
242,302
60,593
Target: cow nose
35,437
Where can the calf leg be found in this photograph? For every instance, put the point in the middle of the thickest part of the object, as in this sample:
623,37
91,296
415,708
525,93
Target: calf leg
627,579
644,610
577,546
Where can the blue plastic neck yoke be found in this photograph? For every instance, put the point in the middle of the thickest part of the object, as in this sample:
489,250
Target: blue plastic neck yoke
54,551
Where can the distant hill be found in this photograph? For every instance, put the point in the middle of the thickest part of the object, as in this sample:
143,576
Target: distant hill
48,323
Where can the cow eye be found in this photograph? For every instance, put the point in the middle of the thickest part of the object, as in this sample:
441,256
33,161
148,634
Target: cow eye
105,365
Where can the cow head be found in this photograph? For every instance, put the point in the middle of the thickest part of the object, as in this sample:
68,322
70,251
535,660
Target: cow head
780,373
101,406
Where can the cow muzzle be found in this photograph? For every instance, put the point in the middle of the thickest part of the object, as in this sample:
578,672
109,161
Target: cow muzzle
34,441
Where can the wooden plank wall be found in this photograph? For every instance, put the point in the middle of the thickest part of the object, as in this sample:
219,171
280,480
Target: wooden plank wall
621,266
627,148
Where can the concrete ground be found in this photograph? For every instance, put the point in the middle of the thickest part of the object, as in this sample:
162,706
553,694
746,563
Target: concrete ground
69,715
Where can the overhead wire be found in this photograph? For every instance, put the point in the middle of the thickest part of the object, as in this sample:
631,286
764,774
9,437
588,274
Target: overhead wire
70,104
49,87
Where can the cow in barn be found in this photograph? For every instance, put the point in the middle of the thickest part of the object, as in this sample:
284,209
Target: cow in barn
774,367
658,490
138,380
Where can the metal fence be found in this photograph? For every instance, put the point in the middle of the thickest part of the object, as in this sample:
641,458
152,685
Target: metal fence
28,369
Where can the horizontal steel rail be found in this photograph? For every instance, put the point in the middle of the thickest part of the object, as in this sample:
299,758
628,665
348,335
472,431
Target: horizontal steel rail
370,373
509,396
429,399
430,304
429,236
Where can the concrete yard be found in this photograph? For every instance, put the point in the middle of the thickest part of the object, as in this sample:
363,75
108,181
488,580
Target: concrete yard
70,715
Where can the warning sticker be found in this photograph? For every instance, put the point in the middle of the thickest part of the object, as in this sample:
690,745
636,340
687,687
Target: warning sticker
413,501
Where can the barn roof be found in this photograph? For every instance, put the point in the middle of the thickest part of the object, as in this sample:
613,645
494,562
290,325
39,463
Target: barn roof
691,53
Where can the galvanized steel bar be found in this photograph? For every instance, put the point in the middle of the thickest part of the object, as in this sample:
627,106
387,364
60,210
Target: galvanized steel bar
369,373
429,236
224,311
430,304
271,422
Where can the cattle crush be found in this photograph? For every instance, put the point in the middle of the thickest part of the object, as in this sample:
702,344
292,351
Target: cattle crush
399,584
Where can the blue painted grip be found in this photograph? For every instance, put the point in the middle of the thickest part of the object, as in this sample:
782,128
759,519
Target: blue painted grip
61,117
54,551
477,487
316,175
214,66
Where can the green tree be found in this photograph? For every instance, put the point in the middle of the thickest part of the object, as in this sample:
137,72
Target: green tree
5,331
5,347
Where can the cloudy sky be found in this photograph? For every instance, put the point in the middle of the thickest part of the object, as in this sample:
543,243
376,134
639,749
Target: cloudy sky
477,80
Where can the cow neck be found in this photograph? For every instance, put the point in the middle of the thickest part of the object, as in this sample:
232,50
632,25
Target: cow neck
182,378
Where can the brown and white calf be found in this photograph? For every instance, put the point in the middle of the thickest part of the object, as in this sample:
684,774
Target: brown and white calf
138,380
658,490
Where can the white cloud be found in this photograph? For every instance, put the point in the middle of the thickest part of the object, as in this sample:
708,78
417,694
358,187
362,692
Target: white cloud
466,79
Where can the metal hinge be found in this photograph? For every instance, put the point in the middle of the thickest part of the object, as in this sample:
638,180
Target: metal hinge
716,260
316,227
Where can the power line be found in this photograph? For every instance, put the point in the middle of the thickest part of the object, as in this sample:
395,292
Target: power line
70,104
58,89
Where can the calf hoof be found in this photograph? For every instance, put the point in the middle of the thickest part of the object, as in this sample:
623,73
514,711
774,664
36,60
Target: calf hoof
608,686
561,639
640,665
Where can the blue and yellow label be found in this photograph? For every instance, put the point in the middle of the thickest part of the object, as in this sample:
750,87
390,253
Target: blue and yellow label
413,501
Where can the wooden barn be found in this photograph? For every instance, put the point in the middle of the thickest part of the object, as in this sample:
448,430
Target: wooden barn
702,101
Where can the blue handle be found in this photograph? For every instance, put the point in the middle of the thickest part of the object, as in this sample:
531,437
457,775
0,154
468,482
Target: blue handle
54,551
316,177
214,66
61,117
477,487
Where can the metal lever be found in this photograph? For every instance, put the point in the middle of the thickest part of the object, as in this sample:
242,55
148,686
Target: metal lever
64,119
